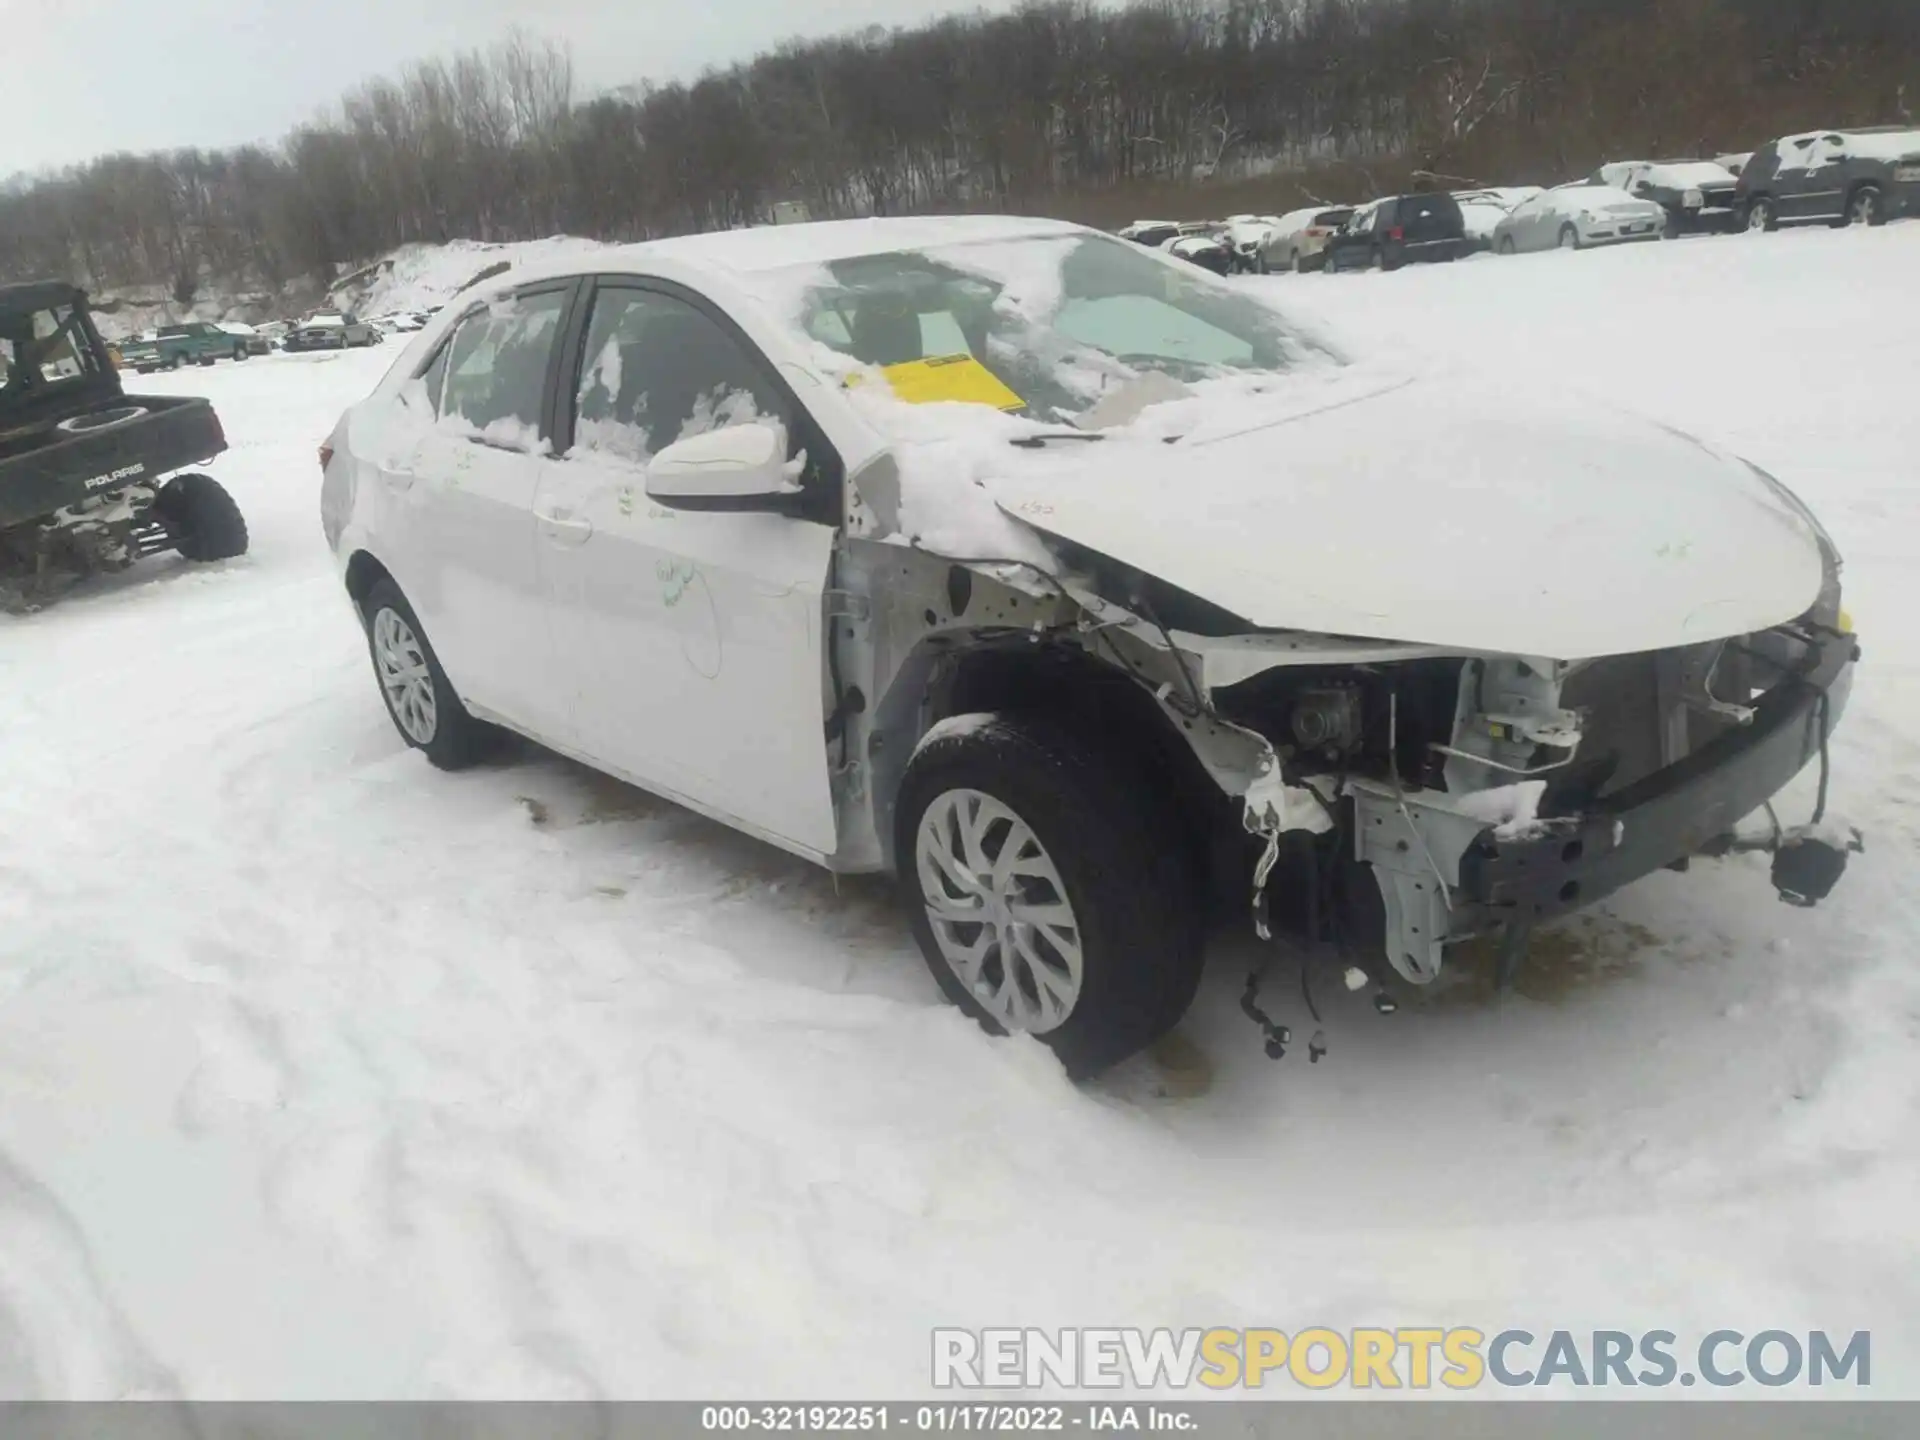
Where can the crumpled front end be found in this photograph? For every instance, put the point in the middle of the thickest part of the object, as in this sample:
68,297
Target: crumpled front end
1405,798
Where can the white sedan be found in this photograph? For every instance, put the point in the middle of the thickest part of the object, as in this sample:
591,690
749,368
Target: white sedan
1576,217
1074,586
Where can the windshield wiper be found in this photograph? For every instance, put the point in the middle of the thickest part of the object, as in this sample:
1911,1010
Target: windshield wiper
1034,442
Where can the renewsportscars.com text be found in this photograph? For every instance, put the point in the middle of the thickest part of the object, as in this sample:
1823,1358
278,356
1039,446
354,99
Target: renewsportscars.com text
1411,1358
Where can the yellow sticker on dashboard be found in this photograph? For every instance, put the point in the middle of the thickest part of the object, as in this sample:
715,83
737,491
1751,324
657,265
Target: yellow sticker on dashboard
950,377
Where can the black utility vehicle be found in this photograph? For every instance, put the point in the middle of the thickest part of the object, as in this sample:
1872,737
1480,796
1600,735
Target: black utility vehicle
1833,177
1400,230
84,467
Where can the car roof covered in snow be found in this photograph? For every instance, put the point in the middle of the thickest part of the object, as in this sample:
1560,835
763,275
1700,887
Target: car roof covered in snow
775,247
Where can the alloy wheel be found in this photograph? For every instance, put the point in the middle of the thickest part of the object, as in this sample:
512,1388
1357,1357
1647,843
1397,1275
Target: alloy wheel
999,911
405,677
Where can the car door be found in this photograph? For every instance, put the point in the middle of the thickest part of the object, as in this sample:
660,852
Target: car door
693,639
1825,193
463,495
1524,223
1348,249
1793,179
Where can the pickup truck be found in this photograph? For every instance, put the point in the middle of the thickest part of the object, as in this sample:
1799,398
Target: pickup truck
196,342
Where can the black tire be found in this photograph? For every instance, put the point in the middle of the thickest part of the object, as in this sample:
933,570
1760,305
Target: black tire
202,518
207,362
240,352
458,740
1567,231
1132,893
177,361
1760,215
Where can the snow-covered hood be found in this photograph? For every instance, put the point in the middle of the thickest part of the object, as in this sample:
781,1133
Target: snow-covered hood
1440,511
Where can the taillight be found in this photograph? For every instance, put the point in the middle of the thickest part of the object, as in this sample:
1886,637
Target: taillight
326,457
1397,233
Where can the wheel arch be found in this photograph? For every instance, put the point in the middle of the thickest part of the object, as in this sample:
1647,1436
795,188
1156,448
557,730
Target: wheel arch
1093,700
364,572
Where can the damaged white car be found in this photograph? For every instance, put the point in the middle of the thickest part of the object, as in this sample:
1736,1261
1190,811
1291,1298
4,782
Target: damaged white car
1082,590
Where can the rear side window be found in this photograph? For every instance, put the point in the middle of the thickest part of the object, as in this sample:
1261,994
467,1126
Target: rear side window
1332,217
491,377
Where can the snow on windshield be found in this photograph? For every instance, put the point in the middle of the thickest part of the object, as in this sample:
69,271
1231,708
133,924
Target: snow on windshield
1059,321
1061,333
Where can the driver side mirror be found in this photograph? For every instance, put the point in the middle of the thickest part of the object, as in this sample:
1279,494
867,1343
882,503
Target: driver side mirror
741,467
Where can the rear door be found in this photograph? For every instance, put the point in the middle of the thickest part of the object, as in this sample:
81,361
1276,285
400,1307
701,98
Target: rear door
692,640
1793,181
1825,195
466,490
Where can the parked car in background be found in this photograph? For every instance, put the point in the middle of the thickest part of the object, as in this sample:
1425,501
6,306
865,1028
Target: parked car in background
1833,177
1734,161
274,332
1297,241
193,342
247,336
1698,195
1151,233
1205,248
1400,230
1578,216
333,330
1483,210
1247,237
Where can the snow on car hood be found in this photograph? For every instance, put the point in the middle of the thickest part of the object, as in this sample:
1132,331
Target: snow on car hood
1438,511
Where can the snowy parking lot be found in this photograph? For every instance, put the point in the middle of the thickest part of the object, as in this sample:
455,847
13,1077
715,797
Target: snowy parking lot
327,1074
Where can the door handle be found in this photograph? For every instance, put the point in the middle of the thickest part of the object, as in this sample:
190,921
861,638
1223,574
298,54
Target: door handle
563,527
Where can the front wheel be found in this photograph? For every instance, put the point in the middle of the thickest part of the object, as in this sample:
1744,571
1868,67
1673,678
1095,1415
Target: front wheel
1760,216
1043,896
202,518
1569,238
1506,245
420,699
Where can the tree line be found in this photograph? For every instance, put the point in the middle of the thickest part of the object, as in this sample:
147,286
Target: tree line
1062,106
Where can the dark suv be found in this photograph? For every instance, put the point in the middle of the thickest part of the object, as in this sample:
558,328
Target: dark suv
1400,230
1833,177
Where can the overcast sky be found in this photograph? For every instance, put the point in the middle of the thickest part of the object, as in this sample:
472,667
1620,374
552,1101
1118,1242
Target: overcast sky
79,78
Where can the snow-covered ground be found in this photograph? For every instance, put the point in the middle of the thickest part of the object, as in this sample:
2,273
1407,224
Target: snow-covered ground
326,1074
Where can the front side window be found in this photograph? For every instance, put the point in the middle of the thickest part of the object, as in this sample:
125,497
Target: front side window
492,376
656,369
1055,322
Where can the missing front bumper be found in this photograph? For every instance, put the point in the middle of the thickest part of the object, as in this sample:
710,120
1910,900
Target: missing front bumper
1445,877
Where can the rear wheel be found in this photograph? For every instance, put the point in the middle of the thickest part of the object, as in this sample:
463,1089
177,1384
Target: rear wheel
177,361
1865,208
1042,894
202,518
239,352
420,700
1760,215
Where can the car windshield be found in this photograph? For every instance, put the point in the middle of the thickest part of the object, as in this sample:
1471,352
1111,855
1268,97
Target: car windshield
1055,321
